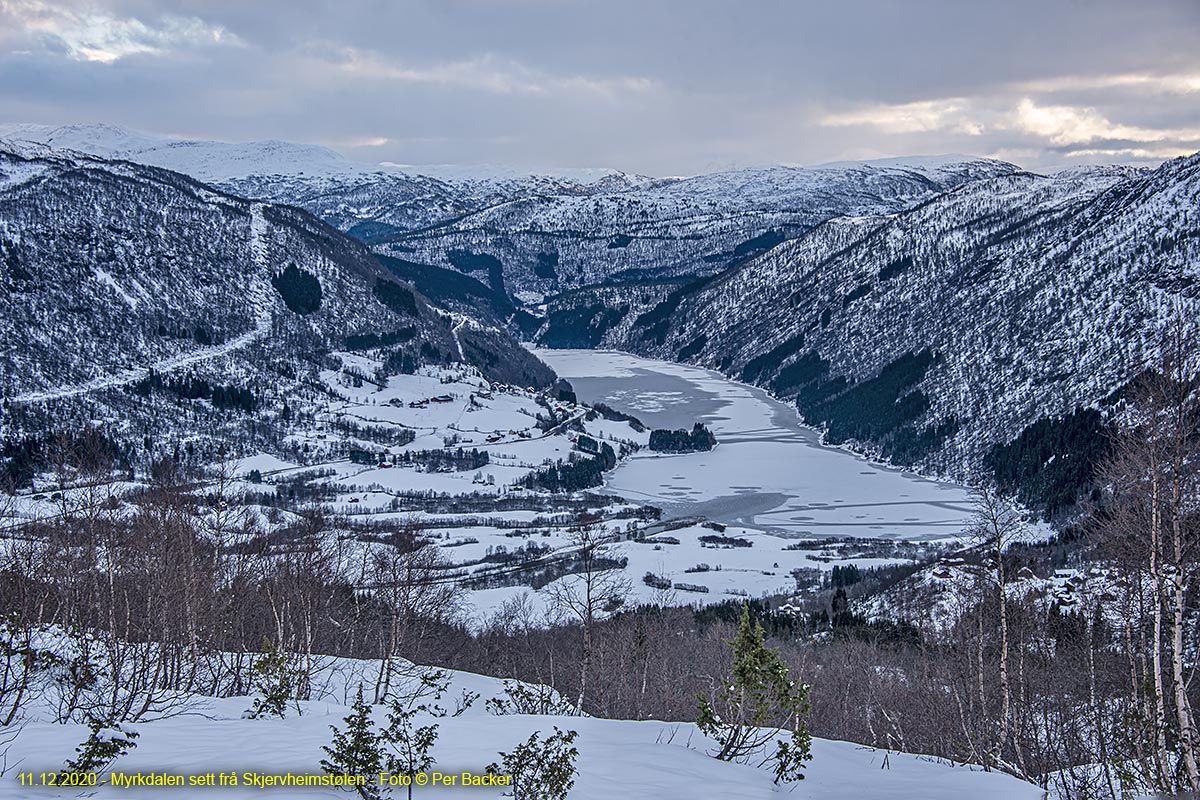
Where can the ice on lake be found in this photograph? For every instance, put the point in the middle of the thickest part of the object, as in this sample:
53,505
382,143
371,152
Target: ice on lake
768,470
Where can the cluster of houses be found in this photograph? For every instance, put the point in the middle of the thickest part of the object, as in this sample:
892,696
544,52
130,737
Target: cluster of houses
441,398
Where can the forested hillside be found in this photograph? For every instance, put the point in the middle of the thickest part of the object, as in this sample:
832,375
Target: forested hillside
933,335
121,282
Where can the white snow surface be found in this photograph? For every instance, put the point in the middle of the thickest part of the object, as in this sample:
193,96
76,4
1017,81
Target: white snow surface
769,481
783,501
617,759
209,160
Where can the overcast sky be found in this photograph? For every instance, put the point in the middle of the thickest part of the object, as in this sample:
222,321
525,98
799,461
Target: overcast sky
654,86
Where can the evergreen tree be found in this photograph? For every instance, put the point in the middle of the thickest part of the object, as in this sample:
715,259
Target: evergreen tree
681,441
842,615
356,750
541,769
410,743
273,680
104,745
758,704
396,297
300,290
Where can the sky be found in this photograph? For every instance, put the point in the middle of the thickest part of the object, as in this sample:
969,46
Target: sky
659,87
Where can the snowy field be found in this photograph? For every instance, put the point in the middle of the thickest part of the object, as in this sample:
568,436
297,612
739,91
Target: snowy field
769,483
768,471
617,759
768,507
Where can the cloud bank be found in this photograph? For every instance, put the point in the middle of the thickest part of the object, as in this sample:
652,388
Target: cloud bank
663,88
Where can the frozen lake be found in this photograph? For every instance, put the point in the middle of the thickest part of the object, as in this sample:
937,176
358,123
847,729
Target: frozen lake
768,471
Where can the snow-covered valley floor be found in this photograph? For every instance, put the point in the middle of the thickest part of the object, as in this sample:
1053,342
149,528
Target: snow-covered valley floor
769,480
738,521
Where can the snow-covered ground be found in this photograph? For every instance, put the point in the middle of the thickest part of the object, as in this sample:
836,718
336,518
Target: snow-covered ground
438,404
775,491
617,759
216,161
738,521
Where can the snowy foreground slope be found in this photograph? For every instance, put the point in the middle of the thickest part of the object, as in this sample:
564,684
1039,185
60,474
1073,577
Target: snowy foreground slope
624,759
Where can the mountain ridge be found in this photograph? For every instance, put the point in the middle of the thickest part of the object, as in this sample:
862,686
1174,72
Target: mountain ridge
118,276
976,296
1034,295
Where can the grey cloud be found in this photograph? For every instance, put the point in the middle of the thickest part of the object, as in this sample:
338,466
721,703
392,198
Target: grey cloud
656,87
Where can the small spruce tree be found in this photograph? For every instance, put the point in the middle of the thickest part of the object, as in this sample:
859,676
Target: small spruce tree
541,769
273,680
356,750
104,745
410,743
757,704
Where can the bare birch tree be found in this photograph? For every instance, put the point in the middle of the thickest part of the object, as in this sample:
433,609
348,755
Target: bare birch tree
596,586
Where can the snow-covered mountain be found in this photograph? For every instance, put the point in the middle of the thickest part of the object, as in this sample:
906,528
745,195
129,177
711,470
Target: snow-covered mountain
113,274
935,332
219,162
925,308
689,227
544,232
345,193
208,161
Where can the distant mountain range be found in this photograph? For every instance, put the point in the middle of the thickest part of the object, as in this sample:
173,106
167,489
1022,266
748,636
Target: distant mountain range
550,231
924,309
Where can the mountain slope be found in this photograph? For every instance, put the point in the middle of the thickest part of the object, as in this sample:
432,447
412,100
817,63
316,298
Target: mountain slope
537,234
688,227
638,760
371,199
925,308
931,334
113,273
